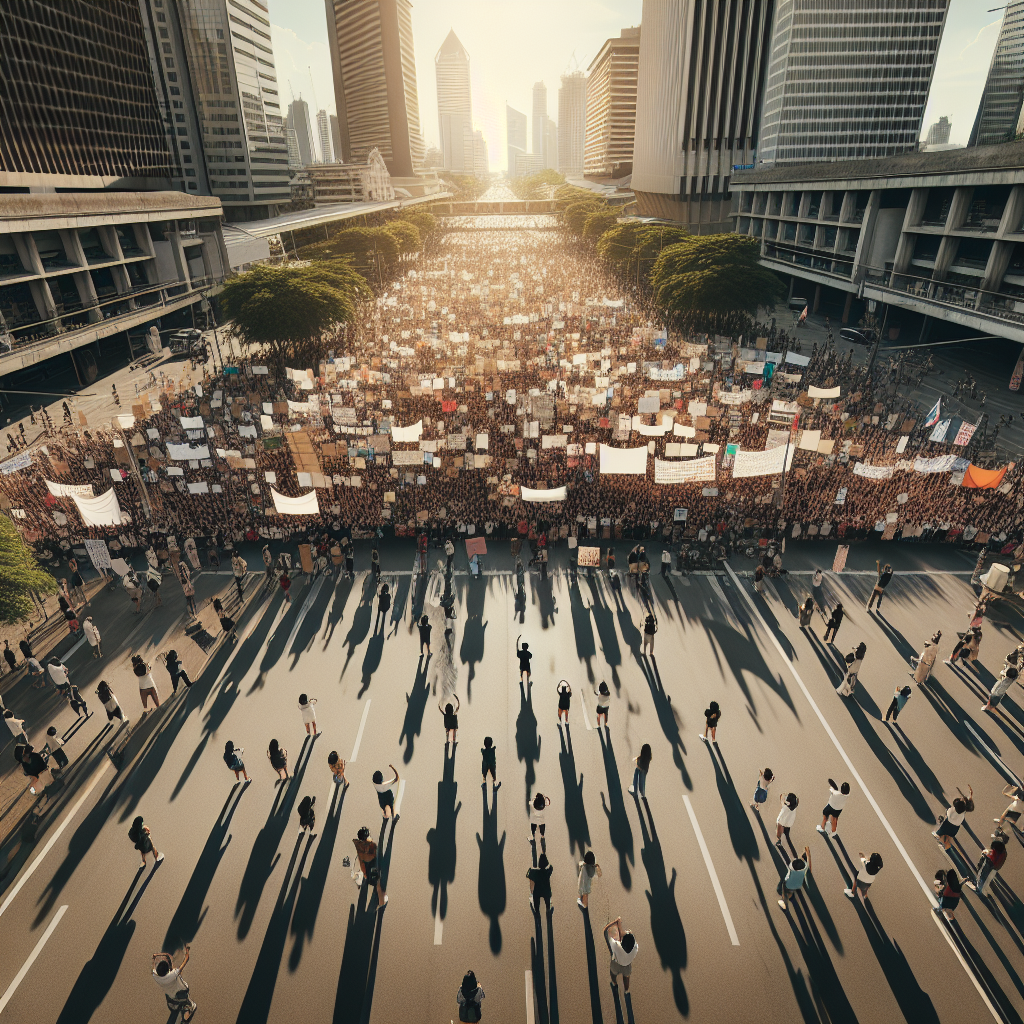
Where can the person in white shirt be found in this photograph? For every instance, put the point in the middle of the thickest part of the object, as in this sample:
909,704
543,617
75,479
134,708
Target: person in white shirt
169,978
954,818
787,816
624,948
92,634
867,874
16,725
837,797
386,793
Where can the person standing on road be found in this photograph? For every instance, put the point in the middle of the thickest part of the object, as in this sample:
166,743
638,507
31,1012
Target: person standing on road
10,657
540,884
153,581
77,702
469,995
16,725
238,571
524,655
226,622
285,583
424,628
604,699
806,612
308,713
268,567
386,793
449,551
77,583
147,685
451,720
764,779
375,564
623,947
796,875
949,890
26,648
899,700
666,560
337,766
837,797
865,877
1007,677
140,836
854,660
1013,810
650,628
36,672
383,607
588,867
489,763
642,763
233,759
278,759
540,804
787,817
564,691
712,716
884,576
988,865
349,559
109,702
954,817
307,816
925,661
366,854
59,675
833,623
176,671
173,986
92,634
759,580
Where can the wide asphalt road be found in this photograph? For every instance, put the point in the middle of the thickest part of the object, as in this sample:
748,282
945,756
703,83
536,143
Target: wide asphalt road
279,930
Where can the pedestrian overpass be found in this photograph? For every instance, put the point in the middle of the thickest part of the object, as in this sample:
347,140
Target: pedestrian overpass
502,208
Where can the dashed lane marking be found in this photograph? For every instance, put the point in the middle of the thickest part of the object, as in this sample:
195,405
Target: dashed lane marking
20,976
586,717
529,997
730,927
359,735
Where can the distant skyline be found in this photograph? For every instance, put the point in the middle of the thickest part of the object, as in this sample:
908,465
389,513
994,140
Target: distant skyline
511,46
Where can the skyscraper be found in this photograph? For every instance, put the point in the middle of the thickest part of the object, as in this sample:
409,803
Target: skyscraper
374,68
78,108
697,106
572,123
550,144
335,138
298,121
848,79
323,131
234,83
540,116
611,107
999,112
515,137
938,133
454,104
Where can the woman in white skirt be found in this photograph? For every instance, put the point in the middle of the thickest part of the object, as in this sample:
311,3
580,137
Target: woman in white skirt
854,660
308,713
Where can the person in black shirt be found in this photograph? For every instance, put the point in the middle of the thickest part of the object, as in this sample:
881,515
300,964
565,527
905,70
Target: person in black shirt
540,884
489,762
425,627
524,658
884,575
383,606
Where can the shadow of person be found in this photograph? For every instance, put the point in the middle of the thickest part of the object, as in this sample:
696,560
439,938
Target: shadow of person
575,810
604,622
361,619
371,661
620,831
471,651
668,718
337,612
666,925
441,838
583,628
415,706
355,959
491,877
593,978
544,597
744,841
527,739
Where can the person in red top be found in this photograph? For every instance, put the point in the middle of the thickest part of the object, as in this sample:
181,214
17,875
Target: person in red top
989,864
286,584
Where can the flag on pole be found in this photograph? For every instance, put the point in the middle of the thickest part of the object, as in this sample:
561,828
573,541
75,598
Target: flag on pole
803,316
934,414
965,433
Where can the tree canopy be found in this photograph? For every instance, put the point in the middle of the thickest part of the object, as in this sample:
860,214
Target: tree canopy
465,188
566,194
633,246
536,186
406,235
425,223
576,213
284,311
706,276
599,222
20,575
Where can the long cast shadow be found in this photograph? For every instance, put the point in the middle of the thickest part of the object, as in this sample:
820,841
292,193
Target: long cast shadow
415,706
309,630
371,661
575,810
583,628
593,981
537,965
744,842
337,613
527,738
441,838
491,878
604,622
361,621
474,630
353,976
619,829
668,718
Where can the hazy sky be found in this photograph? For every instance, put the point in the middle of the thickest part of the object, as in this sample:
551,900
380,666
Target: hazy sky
514,43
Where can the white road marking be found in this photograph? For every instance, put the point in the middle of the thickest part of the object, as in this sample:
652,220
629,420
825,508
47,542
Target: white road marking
90,786
1011,775
304,611
925,886
359,735
529,997
398,798
730,927
75,648
586,717
20,976
438,923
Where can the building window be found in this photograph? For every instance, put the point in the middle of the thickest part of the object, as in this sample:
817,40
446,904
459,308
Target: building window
164,34
190,172
169,62
161,17
175,91
186,159
183,131
192,185
179,117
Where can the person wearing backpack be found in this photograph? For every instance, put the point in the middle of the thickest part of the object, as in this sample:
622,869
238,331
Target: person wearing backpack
469,997
650,628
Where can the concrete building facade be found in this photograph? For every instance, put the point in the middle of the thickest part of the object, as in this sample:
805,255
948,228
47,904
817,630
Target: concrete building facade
367,182
454,105
611,107
572,123
298,122
698,106
932,236
540,117
847,79
1000,114
323,132
374,65
515,137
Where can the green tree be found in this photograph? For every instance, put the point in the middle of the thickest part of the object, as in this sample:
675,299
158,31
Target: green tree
20,575
633,246
373,252
406,235
425,223
576,214
599,222
284,311
537,186
465,188
566,194
710,275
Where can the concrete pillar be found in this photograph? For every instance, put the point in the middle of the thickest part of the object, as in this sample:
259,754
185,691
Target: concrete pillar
28,253
792,282
46,308
73,246
846,307
817,298
110,242
87,295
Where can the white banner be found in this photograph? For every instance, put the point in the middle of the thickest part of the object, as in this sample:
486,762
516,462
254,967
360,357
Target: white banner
66,490
407,458
626,461
797,360
307,505
98,553
303,408
873,472
101,511
184,452
942,464
694,471
193,423
680,430
199,488
412,433
555,494
667,421
554,440
809,440
823,392
766,463
734,397
481,442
